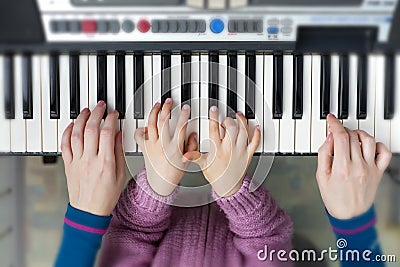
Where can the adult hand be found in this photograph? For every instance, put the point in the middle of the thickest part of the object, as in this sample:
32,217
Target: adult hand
348,181
94,161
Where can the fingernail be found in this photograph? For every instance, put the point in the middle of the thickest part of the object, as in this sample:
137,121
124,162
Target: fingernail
186,107
157,104
85,110
195,137
214,109
258,127
239,113
332,115
101,103
71,124
168,100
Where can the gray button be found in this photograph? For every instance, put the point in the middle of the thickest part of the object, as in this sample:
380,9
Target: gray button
286,30
192,26
155,26
240,25
128,26
173,26
259,26
102,26
250,26
113,26
75,26
62,26
287,22
163,26
182,26
232,25
53,26
201,26
273,22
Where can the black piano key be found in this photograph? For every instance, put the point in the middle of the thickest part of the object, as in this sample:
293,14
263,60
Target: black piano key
325,101
165,77
343,103
232,85
27,101
138,80
277,100
297,87
213,80
362,87
54,87
389,87
9,89
250,90
186,80
74,104
102,79
120,85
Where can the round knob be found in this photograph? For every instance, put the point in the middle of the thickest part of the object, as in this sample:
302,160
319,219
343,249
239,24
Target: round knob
143,25
217,26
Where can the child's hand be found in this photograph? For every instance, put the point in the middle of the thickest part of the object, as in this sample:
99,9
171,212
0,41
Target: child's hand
94,161
163,153
226,163
348,183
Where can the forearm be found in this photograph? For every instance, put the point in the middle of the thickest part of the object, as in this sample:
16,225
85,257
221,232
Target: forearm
81,239
357,235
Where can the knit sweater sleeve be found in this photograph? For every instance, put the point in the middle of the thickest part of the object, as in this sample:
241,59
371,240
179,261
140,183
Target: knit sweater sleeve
139,221
81,238
258,225
358,234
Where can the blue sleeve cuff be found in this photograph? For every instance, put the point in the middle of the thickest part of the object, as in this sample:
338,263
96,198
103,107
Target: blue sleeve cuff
86,222
354,225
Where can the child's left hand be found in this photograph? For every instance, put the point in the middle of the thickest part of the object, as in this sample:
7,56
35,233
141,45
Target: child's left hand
226,164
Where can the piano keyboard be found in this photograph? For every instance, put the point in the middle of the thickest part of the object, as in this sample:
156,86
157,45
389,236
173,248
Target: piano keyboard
288,95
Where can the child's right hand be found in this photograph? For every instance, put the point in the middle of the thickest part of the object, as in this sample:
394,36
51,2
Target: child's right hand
349,181
164,155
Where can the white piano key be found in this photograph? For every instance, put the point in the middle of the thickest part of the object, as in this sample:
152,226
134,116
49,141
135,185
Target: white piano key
303,126
92,81
129,123
222,89
287,124
5,138
395,123
110,83
382,126
18,130
49,126
204,129
334,92
318,126
194,122
176,84
271,127
33,126
156,78
259,101
368,125
84,81
64,120
241,82
351,122
148,91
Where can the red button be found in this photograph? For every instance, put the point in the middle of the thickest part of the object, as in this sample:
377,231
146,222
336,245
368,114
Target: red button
89,26
143,25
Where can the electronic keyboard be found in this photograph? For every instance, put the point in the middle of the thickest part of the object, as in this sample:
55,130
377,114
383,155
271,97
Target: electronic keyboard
284,64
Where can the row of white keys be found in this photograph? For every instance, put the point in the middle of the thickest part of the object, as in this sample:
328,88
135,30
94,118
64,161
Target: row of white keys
395,123
129,123
5,138
64,120
259,101
176,81
351,122
222,89
84,81
204,129
194,122
92,81
271,126
334,85
287,124
33,126
241,82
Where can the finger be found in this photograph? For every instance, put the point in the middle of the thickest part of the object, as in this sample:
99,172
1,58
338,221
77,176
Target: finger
139,136
213,125
355,147
231,131
152,123
92,129
243,135
78,133
325,154
196,157
181,125
383,157
120,159
341,141
107,135
255,141
368,147
164,120
66,144
192,144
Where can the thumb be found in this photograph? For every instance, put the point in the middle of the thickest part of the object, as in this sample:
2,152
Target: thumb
139,136
325,154
120,159
192,144
196,157
383,157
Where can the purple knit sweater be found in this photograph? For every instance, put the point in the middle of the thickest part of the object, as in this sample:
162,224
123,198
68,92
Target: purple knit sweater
145,231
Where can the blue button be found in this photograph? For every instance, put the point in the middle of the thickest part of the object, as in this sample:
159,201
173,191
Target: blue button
217,26
273,30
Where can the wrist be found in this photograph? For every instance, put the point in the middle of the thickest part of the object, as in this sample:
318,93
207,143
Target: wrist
225,187
160,186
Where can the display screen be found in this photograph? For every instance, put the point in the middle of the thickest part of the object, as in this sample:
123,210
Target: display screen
305,2
127,2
